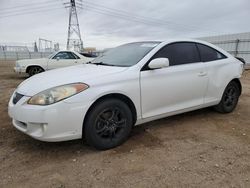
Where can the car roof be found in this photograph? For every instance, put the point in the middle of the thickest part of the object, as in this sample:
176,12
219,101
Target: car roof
183,40
67,51
173,40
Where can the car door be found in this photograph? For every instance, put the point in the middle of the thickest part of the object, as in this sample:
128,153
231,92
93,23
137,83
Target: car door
62,59
180,86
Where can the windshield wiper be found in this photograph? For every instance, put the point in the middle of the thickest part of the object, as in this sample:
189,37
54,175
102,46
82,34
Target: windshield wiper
101,63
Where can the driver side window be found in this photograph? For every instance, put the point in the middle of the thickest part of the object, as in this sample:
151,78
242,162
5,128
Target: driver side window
179,53
64,55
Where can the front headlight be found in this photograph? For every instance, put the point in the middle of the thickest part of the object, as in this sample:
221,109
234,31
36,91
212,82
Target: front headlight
17,64
57,94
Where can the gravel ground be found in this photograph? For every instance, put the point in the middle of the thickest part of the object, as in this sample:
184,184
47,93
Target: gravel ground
197,149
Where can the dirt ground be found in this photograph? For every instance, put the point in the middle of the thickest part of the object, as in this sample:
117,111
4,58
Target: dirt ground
197,149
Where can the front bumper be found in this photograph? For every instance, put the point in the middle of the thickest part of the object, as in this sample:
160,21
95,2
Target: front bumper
19,70
53,123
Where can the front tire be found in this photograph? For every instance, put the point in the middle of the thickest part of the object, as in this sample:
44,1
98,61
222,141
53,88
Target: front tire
229,99
35,70
108,124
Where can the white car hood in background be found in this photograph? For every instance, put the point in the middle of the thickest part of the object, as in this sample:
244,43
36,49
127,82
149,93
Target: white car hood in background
74,74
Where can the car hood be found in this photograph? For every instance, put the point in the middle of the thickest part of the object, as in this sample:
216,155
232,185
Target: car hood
31,61
74,74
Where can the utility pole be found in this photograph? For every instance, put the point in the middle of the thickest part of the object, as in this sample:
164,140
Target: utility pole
35,47
74,35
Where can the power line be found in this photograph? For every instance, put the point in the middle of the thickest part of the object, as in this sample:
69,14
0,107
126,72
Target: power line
26,10
27,5
142,19
31,12
137,19
122,11
100,9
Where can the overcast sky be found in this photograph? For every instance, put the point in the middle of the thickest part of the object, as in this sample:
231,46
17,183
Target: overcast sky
109,23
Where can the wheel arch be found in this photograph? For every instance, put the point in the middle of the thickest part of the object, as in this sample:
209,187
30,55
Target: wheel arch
118,96
30,66
237,81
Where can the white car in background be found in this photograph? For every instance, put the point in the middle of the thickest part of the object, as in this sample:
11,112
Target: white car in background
55,60
129,85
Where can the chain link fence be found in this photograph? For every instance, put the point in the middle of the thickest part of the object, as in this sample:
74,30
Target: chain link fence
237,44
11,55
238,47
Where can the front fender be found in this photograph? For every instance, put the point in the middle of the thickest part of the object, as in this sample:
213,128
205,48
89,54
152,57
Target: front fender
91,95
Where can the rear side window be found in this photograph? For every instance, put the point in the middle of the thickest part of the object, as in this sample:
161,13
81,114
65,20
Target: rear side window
179,53
64,55
209,54
76,57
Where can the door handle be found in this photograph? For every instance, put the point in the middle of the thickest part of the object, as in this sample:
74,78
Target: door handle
202,74
75,61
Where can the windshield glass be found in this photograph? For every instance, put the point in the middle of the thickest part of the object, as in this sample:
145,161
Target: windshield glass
51,55
126,55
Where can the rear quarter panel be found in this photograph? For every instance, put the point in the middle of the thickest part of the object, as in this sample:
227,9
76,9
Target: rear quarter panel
220,73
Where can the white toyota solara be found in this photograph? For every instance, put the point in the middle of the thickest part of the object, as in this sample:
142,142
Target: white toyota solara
129,85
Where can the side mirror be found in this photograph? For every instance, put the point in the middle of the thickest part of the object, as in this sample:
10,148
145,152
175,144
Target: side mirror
158,63
57,58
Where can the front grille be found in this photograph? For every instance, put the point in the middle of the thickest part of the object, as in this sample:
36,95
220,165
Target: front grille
17,97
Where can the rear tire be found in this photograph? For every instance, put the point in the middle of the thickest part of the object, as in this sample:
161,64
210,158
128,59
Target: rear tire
229,99
108,124
35,70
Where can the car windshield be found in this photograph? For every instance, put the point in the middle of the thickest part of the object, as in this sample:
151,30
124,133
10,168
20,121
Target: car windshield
126,55
52,55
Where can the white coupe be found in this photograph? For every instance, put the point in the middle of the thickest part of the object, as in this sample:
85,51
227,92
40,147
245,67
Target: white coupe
55,60
129,85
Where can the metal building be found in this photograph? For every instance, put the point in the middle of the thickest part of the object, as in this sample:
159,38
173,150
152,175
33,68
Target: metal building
236,44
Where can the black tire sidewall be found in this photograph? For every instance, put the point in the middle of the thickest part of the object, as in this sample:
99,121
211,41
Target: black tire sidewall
89,126
237,89
31,71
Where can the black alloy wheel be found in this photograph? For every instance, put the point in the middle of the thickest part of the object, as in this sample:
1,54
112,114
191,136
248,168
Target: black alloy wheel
35,70
108,124
229,99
